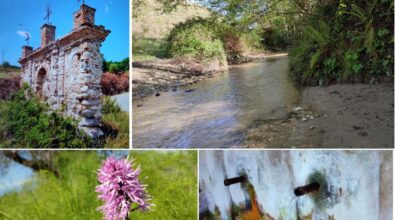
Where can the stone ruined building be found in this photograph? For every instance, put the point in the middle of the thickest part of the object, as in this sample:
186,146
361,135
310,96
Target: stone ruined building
66,72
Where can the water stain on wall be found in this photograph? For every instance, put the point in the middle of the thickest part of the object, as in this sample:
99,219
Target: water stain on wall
332,185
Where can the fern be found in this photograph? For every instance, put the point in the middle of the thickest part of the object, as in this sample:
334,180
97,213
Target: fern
369,36
314,59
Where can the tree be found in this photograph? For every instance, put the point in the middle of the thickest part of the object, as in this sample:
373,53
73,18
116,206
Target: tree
124,65
114,68
6,64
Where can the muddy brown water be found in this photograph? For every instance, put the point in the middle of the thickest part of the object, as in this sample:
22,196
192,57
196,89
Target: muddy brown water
215,113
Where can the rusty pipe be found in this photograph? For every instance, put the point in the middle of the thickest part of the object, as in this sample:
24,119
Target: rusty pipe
234,180
302,190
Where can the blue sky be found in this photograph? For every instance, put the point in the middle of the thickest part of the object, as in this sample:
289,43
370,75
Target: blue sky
112,14
15,177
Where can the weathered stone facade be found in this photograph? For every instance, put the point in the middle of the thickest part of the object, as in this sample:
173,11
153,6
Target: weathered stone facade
66,72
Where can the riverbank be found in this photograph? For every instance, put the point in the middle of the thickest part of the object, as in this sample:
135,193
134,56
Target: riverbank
162,75
340,115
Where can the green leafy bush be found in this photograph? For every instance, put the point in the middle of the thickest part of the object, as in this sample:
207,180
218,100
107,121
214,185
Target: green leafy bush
252,41
195,39
345,41
275,39
28,123
114,68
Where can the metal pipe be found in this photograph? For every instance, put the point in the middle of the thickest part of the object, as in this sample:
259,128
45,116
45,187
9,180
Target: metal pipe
302,190
234,180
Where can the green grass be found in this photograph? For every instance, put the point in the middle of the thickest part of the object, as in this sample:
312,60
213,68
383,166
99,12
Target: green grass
171,181
3,75
69,197
9,72
120,122
148,49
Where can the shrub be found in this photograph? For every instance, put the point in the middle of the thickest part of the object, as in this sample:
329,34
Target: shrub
112,84
29,123
194,39
109,105
252,41
114,68
6,64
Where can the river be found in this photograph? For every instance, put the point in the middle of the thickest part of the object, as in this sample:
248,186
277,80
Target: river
216,113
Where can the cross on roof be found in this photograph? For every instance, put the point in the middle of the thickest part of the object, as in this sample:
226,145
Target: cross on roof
48,13
83,1
27,38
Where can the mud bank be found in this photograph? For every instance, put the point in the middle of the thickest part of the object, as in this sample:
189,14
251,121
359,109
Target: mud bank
343,115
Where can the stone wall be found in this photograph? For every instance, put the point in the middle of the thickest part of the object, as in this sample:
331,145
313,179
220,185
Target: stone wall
84,16
66,72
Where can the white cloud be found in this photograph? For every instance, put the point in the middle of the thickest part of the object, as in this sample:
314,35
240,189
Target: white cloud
107,7
23,34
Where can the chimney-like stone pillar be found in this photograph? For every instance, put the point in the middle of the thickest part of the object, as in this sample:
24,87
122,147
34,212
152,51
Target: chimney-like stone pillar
84,16
26,51
47,34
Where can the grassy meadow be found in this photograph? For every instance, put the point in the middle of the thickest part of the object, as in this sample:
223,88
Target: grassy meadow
170,176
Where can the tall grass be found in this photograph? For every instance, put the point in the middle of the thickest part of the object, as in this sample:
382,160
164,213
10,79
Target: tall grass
171,179
72,196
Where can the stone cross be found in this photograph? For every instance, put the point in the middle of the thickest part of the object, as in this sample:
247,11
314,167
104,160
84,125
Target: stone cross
83,1
27,37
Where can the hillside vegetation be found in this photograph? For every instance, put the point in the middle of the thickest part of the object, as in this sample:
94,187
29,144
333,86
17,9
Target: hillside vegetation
328,41
151,25
150,21
26,122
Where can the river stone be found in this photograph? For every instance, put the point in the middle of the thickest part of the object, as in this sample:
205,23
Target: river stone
94,108
88,113
89,122
297,109
84,89
94,133
82,96
91,102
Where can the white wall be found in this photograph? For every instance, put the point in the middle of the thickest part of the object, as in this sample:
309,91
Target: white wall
356,179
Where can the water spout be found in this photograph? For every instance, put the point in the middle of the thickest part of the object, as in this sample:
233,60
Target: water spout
234,180
309,188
